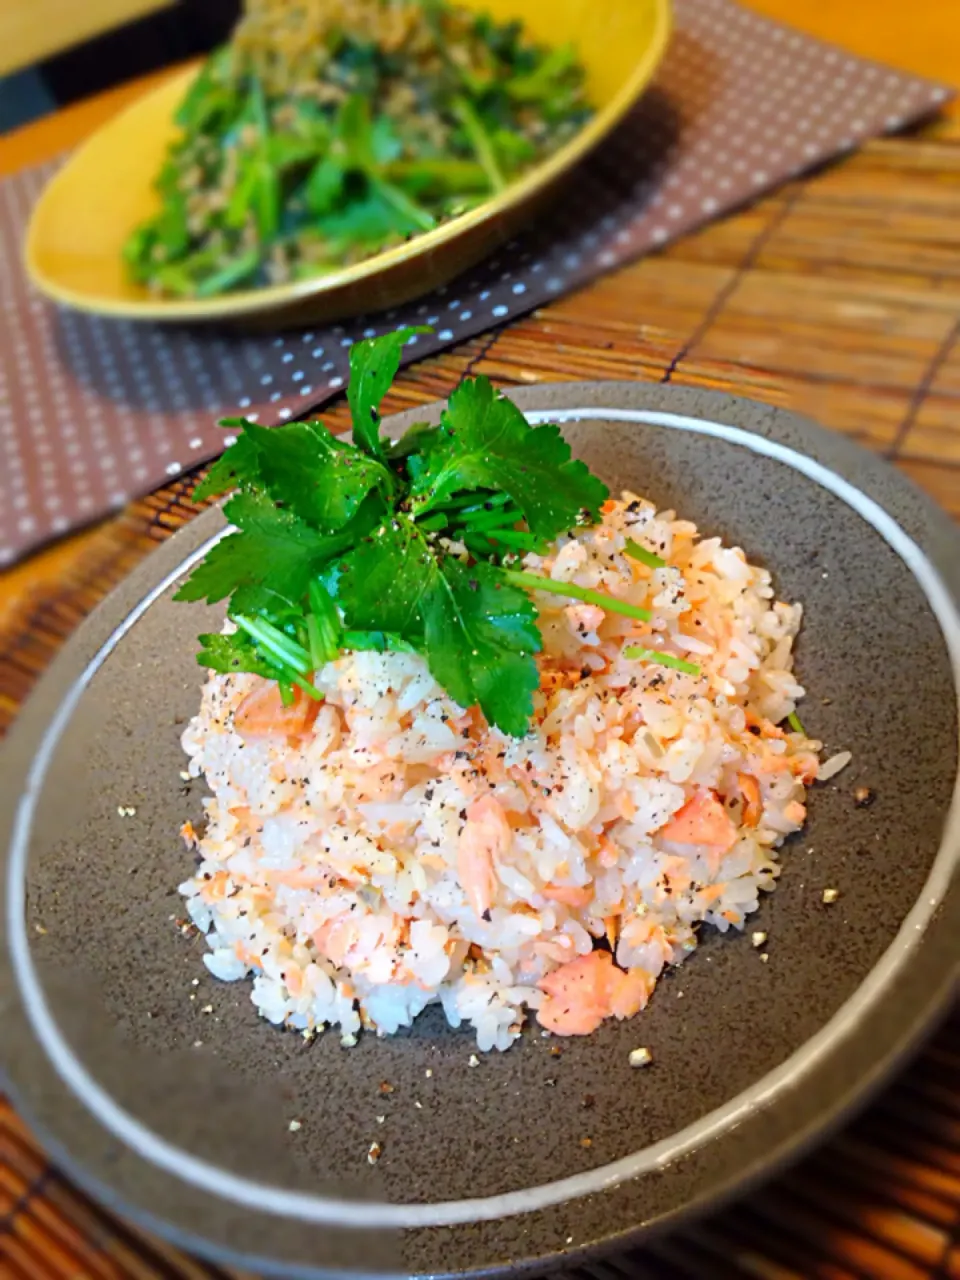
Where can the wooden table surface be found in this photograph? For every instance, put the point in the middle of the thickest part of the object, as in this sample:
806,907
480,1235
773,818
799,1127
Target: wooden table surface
837,295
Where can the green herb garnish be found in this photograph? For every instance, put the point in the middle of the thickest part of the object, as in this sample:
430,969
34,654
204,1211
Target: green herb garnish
661,659
793,720
342,545
533,582
649,558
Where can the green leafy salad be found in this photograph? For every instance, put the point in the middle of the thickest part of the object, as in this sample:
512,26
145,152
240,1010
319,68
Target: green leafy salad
329,130
410,545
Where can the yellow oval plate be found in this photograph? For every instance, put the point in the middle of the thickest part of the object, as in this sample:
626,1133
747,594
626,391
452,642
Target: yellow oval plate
80,223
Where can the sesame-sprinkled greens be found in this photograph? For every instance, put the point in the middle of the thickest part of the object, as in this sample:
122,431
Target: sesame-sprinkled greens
407,546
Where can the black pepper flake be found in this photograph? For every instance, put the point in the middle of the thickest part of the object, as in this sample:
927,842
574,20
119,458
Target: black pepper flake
486,916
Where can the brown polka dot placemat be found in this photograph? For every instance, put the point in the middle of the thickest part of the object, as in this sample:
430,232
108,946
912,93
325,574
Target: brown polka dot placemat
93,411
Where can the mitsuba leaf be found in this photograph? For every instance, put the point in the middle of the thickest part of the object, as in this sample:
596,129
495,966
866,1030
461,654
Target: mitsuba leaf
487,443
481,637
373,366
271,548
319,478
382,581
237,466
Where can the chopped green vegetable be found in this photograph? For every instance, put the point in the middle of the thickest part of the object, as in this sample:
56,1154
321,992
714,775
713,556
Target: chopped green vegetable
649,558
322,134
793,720
661,659
533,582
344,546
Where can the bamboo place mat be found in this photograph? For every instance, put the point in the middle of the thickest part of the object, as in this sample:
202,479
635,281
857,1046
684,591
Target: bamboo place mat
839,297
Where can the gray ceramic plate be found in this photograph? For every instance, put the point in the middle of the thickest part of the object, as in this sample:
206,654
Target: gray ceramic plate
161,1090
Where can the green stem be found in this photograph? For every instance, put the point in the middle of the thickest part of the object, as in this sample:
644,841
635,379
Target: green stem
478,543
469,502
434,523
310,690
233,273
284,650
533,582
481,520
451,175
514,538
649,558
661,659
412,211
318,653
793,720
480,141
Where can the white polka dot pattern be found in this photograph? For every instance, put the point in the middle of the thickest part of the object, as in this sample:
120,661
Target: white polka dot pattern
95,411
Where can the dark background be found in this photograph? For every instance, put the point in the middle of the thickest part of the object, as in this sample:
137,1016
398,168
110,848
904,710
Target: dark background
186,29
182,31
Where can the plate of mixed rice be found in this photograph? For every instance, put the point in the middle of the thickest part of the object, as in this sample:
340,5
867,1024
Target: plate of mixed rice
539,865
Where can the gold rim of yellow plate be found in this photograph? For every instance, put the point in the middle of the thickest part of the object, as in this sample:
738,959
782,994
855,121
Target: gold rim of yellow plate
275,297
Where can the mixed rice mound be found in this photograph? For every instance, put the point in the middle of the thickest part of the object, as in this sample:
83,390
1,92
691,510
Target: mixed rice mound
369,855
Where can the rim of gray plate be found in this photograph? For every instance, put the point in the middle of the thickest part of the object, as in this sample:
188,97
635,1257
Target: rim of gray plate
371,1214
